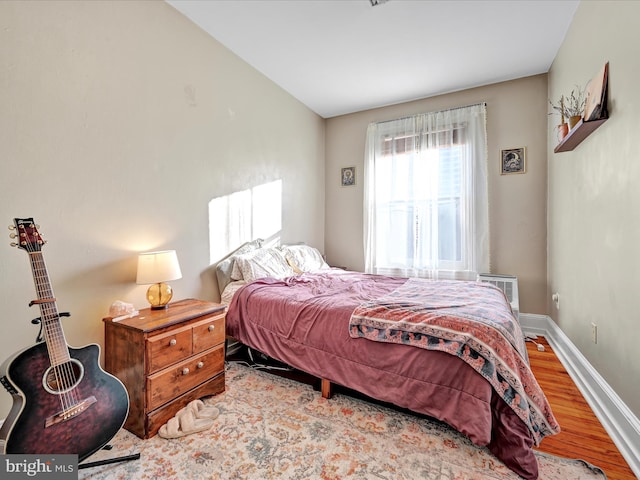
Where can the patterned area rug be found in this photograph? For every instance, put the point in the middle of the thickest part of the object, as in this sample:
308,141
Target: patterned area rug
274,428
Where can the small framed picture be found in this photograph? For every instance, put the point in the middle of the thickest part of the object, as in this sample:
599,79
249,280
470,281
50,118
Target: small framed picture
348,176
512,160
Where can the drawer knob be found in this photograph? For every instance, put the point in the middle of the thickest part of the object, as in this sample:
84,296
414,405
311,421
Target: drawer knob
200,364
173,342
212,328
185,371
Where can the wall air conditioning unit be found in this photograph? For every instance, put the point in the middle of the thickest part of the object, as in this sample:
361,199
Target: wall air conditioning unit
509,285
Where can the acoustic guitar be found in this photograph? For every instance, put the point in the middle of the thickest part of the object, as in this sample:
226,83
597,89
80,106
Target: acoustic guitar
63,401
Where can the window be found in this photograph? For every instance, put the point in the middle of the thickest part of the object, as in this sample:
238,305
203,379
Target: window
426,196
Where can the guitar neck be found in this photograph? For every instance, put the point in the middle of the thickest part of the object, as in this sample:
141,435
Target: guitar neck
51,325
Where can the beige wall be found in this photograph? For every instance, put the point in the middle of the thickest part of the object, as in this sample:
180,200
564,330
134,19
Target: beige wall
594,199
516,117
119,122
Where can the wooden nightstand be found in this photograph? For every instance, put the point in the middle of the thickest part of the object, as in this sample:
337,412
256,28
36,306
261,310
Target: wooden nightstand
166,358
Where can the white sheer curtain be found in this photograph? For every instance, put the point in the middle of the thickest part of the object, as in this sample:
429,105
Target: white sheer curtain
425,199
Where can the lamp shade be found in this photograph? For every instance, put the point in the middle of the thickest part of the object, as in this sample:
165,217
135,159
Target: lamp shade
157,267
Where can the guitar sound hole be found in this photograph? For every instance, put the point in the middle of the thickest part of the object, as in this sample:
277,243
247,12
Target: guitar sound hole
64,377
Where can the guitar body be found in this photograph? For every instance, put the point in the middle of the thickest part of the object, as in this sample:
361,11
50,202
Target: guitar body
32,426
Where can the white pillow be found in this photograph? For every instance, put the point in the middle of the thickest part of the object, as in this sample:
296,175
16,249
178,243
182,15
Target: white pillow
264,262
224,268
303,258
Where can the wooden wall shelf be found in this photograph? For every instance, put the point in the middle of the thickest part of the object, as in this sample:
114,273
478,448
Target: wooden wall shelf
577,134
595,107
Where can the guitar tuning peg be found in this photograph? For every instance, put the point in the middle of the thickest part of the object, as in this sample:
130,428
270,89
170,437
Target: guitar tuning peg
12,227
13,244
12,235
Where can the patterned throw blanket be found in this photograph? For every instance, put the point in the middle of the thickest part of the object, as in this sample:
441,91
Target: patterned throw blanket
471,320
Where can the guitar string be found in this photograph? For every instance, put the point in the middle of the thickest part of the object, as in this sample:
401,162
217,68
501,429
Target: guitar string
44,293
63,372
59,361
63,367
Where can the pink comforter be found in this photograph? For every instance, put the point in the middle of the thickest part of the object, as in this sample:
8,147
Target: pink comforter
471,320
304,322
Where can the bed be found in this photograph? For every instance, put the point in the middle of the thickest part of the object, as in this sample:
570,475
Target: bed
448,349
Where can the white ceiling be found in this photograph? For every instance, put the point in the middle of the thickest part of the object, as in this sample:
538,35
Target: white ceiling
343,56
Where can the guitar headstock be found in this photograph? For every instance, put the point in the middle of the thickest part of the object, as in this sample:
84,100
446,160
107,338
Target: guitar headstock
28,235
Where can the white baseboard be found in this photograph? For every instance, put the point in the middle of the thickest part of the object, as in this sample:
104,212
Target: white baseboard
618,420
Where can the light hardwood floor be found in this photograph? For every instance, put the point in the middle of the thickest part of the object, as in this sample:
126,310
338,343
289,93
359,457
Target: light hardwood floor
582,435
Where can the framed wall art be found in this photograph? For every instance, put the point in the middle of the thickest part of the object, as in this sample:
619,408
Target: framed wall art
512,160
348,176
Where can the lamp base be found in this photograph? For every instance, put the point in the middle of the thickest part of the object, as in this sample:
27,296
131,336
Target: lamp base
159,295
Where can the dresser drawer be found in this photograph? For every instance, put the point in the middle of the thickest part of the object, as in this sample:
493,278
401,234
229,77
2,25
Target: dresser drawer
165,350
177,379
208,334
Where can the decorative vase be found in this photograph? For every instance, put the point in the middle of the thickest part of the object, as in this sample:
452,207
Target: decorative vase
573,121
563,130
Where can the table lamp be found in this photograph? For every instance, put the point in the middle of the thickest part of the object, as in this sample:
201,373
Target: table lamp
155,268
